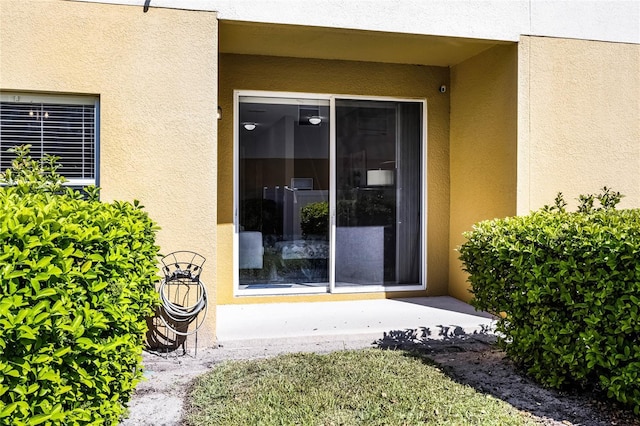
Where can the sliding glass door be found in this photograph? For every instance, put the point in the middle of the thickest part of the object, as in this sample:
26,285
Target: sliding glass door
329,194
378,193
283,193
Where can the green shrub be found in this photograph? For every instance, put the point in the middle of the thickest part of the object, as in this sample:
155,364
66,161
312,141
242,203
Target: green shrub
76,283
314,220
569,284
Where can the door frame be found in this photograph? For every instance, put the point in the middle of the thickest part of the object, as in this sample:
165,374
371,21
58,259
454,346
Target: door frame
331,288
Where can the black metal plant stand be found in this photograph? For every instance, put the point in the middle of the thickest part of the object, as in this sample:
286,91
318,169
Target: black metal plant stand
183,297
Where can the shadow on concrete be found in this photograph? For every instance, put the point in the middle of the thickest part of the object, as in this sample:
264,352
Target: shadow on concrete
447,304
474,359
425,338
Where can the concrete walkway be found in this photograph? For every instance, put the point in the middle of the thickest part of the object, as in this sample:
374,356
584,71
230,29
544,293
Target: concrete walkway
429,317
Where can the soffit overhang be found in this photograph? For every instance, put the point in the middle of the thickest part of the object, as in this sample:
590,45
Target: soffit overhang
251,38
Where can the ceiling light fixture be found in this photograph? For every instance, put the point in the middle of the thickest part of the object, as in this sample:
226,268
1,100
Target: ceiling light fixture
315,120
249,126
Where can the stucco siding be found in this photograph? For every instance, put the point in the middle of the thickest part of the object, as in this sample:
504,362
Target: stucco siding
246,72
483,147
156,77
579,126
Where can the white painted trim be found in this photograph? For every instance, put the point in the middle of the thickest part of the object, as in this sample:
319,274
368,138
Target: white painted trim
332,194
424,200
323,290
79,182
236,184
281,291
28,97
378,289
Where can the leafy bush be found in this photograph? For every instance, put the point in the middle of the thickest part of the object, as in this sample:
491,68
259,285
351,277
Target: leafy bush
569,284
76,283
314,220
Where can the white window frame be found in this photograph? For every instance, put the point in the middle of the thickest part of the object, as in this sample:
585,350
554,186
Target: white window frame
38,98
331,288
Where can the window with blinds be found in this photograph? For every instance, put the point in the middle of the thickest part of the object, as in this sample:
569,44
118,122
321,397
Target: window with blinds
62,126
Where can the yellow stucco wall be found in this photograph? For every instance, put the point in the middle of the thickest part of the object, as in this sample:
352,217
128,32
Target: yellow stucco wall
246,72
156,76
579,120
483,147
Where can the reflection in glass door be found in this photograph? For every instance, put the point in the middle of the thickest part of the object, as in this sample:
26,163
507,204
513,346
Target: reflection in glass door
378,193
283,198
328,206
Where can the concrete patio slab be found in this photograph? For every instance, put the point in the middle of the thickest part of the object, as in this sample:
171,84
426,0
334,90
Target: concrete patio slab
427,317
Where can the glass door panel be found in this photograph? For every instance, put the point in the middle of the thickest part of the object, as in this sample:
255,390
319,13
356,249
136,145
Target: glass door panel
295,172
283,193
378,193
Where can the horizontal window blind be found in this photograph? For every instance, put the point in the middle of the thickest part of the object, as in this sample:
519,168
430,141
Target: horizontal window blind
64,129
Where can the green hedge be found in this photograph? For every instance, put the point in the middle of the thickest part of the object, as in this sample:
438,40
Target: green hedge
314,220
76,284
569,284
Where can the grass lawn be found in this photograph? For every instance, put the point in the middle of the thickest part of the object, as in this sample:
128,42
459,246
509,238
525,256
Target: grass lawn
367,387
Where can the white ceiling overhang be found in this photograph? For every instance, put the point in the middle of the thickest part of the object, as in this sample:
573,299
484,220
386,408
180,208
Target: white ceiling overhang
250,38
